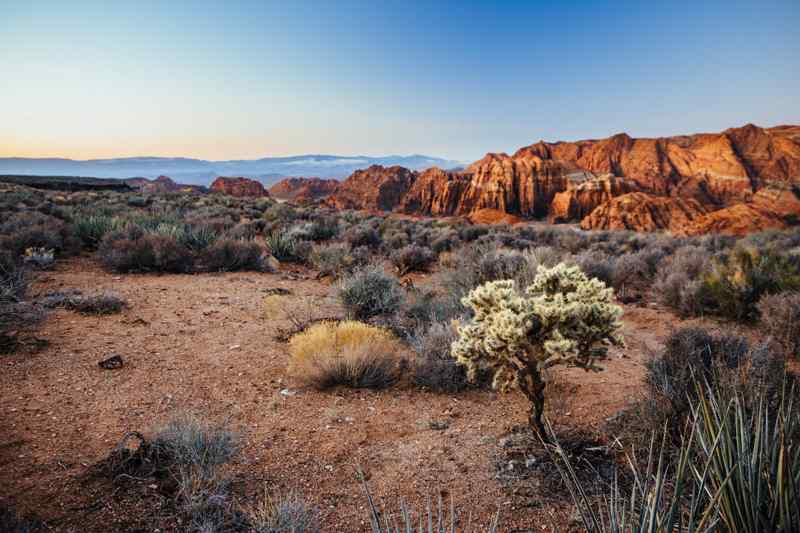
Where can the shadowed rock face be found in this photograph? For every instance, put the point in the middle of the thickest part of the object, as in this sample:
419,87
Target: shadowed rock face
238,187
303,189
583,196
680,178
374,188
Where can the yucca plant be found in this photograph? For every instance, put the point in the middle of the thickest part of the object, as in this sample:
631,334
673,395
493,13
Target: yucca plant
738,470
91,229
200,237
752,460
282,246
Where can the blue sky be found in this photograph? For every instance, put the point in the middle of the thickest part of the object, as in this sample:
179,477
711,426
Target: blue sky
222,80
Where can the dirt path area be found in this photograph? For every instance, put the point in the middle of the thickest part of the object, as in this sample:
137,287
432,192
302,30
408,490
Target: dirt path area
201,344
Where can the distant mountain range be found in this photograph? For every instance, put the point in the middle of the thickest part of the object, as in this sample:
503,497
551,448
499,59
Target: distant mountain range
268,170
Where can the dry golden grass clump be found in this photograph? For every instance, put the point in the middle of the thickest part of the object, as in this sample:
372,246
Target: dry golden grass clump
349,353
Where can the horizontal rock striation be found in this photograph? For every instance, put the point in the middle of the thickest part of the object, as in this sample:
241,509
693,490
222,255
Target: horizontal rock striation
621,182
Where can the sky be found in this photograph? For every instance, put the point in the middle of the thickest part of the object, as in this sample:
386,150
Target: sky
455,79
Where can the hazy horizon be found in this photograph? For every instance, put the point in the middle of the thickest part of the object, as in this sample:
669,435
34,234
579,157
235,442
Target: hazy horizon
245,80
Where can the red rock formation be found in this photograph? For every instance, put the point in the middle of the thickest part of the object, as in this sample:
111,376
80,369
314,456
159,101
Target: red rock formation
583,195
436,192
638,211
303,189
376,187
493,216
238,187
739,219
683,176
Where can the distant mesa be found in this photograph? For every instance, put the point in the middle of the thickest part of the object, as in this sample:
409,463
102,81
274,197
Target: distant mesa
736,181
237,186
303,190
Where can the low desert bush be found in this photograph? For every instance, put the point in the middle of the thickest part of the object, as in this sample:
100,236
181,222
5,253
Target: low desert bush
190,452
347,353
363,235
434,368
726,361
13,279
102,303
412,258
370,292
231,255
678,279
596,265
332,259
16,314
780,317
735,285
24,230
283,514
323,228
133,250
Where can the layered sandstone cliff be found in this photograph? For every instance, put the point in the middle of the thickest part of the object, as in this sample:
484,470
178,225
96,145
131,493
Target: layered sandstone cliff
674,181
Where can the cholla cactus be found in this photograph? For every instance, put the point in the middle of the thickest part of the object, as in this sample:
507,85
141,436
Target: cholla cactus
565,318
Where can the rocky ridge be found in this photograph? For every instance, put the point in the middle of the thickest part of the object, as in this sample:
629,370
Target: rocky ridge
688,184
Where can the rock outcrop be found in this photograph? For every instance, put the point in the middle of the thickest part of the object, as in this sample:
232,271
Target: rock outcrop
674,179
242,187
374,188
303,190
639,211
583,196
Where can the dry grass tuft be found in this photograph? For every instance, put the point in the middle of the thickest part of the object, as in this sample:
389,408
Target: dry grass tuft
347,353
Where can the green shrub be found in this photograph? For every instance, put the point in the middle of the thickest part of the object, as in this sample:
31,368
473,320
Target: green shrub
370,292
734,287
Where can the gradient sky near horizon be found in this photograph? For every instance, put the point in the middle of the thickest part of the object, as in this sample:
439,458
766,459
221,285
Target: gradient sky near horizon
238,79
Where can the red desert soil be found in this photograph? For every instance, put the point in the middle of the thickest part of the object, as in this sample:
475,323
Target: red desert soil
201,344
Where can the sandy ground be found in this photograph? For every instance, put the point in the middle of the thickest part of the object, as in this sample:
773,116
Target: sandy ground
202,344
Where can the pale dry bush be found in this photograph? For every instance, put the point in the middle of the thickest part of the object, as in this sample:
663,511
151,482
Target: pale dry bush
347,353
